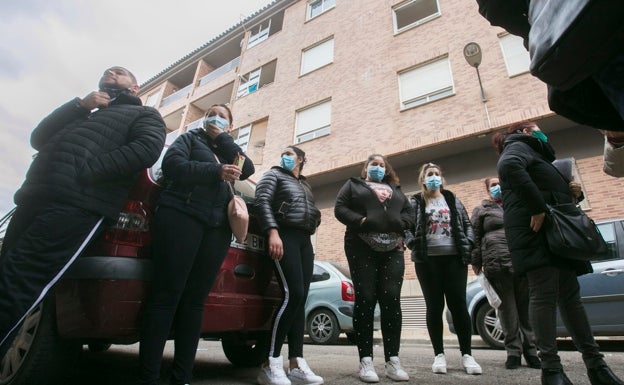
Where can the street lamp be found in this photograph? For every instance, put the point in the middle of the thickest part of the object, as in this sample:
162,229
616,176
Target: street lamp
472,54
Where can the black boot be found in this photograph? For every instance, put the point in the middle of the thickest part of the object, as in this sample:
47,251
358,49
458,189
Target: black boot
513,362
533,361
603,376
555,377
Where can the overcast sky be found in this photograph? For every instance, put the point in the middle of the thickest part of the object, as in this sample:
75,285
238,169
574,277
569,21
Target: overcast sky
52,51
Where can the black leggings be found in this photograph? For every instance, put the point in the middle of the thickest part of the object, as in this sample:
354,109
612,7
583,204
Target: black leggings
293,272
187,258
444,276
377,277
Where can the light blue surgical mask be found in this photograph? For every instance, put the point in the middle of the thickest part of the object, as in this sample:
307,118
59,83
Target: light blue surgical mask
433,182
495,191
216,121
288,162
375,173
540,135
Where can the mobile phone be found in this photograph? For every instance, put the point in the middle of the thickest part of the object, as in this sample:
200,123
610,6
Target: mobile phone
239,160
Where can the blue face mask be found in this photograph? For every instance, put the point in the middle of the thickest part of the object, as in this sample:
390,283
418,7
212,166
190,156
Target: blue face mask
433,182
217,121
376,173
540,135
288,162
495,192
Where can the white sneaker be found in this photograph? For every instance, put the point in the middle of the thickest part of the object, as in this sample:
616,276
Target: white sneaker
273,374
395,371
303,375
470,365
439,364
367,370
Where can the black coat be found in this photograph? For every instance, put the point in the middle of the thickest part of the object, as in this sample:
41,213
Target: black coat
193,183
282,200
528,181
491,251
356,200
91,160
461,228
584,103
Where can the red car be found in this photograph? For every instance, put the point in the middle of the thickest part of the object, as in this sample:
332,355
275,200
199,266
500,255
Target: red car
100,298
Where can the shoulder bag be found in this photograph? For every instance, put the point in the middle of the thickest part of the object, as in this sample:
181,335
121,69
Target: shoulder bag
570,233
238,216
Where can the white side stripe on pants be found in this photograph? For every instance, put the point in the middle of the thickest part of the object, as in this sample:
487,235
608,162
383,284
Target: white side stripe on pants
55,279
278,317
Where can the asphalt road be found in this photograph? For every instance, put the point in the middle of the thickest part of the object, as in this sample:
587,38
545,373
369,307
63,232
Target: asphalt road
338,364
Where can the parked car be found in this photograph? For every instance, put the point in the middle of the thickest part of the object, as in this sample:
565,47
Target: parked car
602,293
99,300
329,307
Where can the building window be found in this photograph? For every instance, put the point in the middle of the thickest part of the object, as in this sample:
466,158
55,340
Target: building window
260,77
516,56
413,13
317,56
152,99
426,83
259,34
313,122
241,136
316,7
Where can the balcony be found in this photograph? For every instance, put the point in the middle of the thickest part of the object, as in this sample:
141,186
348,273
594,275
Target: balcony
184,92
219,71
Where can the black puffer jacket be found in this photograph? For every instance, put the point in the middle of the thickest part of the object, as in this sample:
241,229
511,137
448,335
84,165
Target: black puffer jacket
461,228
193,181
357,200
491,251
91,160
528,181
284,200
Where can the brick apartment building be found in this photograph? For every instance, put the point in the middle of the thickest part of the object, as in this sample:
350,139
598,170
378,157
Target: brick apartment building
344,78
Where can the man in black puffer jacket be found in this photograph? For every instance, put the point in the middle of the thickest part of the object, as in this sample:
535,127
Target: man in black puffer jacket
90,152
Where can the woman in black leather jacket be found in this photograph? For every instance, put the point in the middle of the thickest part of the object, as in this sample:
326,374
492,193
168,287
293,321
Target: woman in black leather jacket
441,242
191,236
287,213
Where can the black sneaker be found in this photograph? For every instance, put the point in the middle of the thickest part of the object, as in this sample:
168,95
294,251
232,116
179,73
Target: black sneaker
513,362
555,377
603,376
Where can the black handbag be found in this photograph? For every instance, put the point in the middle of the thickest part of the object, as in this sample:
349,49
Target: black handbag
570,233
570,40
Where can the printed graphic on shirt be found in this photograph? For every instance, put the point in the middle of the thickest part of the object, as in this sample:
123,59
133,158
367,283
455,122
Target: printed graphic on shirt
382,190
439,222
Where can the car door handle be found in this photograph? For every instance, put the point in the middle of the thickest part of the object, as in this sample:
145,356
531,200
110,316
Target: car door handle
612,272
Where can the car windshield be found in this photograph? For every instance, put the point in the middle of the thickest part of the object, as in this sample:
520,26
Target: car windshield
342,268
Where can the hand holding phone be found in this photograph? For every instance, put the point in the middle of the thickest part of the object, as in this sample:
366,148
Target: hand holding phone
239,160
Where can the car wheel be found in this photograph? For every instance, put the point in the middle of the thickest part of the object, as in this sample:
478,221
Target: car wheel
323,327
98,347
489,327
38,355
246,350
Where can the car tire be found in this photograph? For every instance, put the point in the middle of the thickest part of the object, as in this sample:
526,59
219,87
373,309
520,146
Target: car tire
323,327
38,353
246,350
489,327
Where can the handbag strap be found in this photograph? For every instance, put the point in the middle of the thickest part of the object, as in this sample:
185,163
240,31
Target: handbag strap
227,183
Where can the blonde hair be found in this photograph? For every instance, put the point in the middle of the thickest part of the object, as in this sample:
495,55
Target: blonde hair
426,193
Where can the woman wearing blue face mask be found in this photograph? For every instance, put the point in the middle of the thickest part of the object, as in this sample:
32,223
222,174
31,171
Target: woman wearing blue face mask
191,235
441,241
376,214
288,215
491,256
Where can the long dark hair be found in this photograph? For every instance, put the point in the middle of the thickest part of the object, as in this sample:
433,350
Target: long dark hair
391,175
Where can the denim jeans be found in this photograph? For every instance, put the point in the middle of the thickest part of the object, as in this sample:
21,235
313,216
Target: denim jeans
551,286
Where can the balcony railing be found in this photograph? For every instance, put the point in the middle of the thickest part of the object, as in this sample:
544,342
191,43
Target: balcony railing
177,95
219,71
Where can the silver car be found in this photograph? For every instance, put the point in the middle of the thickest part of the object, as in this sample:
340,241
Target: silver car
602,293
329,307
